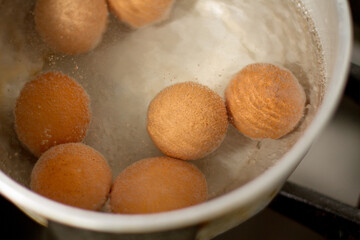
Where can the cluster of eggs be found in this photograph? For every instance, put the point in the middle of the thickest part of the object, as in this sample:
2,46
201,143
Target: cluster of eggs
77,26
186,121
52,116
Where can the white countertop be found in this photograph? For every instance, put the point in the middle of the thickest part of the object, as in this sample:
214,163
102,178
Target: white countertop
332,165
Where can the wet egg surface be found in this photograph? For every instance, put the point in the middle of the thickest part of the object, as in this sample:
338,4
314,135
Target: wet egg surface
157,184
51,109
187,121
138,13
73,174
265,101
71,26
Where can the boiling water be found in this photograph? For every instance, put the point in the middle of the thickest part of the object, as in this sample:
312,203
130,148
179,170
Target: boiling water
205,41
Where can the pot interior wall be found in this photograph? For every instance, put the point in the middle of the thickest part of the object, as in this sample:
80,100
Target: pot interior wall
206,41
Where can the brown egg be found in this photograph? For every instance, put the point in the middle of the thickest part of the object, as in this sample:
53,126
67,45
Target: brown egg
187,121
138,13
156,185
71,26
73,174
265,101
51,109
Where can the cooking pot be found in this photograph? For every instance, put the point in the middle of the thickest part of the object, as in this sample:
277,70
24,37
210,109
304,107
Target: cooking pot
238,201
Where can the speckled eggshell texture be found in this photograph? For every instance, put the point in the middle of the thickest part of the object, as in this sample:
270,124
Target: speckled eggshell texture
73,174
71,26
51,109
156,185
139,13
265,101
187,121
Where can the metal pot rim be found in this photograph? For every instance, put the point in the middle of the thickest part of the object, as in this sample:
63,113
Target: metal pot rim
214,208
